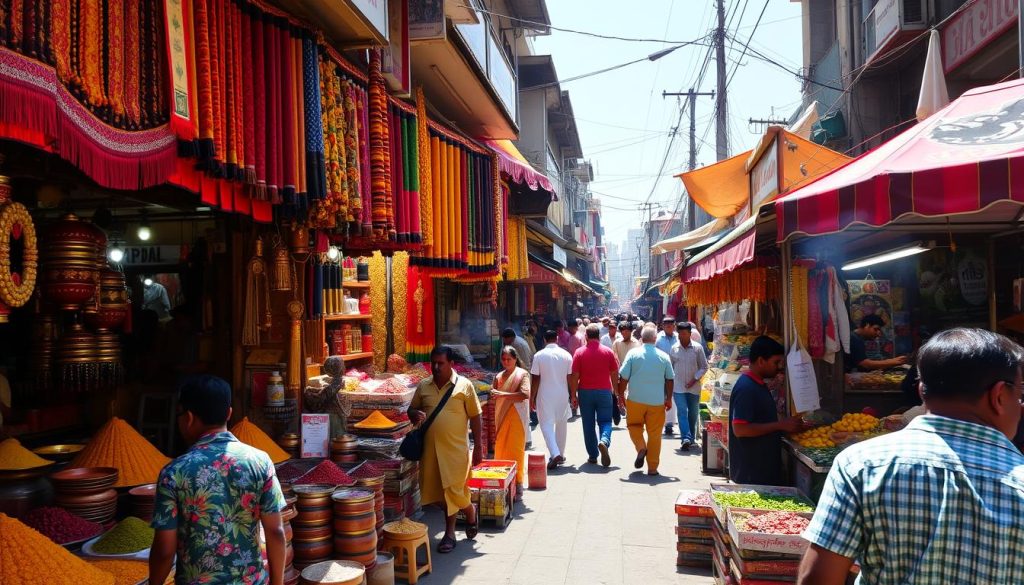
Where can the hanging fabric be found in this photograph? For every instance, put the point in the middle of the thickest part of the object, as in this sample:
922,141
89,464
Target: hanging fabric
420,306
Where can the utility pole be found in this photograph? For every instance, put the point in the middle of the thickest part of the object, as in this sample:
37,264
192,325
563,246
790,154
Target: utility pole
721,122
648,206
691,97
758,125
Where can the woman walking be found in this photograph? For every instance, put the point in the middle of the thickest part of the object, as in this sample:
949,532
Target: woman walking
512,393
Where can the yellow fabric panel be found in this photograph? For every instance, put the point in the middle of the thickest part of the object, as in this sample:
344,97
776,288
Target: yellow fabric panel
435,197
720,189
510,149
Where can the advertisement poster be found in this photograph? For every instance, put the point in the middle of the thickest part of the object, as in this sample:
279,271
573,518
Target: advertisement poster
874,297
426,20
316,435
953,287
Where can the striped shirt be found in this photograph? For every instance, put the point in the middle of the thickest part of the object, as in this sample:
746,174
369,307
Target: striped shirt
941,501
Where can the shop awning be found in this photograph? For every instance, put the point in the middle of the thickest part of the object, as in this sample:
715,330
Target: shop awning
963,159
573,280
515,165
720,189
730,252
688,239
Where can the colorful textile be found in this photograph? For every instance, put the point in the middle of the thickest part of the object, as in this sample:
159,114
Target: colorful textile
223,478
420,316
425,182
315,167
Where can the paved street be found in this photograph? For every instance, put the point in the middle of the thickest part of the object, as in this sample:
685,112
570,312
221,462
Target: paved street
591,525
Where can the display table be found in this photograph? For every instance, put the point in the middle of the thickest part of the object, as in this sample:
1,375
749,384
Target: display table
805,474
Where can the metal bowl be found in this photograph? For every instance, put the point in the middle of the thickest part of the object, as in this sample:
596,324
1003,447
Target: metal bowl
59,453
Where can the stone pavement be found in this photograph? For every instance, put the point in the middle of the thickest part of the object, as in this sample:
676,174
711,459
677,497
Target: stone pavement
591,525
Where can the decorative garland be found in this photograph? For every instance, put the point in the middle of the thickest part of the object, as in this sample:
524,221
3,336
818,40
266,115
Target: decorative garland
423,143
16,289
400,306
757,284
379,310
518,263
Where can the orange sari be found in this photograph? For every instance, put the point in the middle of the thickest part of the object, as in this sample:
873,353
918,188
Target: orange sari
510,439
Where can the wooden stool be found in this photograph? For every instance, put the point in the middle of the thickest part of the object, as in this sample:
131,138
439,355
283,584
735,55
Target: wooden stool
405,556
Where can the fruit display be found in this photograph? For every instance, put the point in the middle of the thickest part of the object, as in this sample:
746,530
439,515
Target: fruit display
878,380
815,438
855,421
758,501
492,473
777,523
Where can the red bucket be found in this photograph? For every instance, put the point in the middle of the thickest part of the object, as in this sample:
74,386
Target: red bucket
537,470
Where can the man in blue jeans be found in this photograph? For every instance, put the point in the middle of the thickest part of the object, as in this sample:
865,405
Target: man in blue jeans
689,364
595,372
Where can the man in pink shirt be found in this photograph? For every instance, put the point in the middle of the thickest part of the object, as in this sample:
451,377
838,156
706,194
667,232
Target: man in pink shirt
595,371
577,338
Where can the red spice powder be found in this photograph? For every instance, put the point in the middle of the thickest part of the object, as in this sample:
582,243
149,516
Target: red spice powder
367,471
61,526
326,472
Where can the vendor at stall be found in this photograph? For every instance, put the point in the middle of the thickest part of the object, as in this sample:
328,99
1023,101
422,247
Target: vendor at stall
857,360
755,431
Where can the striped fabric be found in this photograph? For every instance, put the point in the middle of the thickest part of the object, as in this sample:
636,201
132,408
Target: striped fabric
940,502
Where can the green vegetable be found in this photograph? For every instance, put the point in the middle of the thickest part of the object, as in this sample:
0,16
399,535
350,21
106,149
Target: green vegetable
821,455
761,501
130,535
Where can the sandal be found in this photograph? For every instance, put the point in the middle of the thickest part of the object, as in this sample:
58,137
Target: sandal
473,529
447,545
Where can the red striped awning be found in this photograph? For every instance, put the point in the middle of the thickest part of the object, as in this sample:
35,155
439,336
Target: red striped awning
727,254
962,159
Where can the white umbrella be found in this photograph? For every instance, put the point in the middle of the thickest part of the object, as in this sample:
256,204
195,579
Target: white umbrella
934,95
803,124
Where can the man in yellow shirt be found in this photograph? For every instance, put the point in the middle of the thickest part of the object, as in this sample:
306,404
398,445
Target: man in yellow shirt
445,466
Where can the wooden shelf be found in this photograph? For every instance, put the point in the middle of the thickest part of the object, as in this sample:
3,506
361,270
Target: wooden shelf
355,284
347,317
357,356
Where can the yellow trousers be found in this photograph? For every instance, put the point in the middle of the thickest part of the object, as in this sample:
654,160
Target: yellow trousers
652,418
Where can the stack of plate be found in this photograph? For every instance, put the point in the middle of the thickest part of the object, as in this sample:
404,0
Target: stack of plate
143,500
87,492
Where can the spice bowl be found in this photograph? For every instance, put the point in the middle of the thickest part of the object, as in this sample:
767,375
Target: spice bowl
59,453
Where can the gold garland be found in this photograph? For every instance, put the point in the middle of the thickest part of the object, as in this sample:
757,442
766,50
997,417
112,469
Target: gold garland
500,254
426,200
379,310
518,262
13,294
400,305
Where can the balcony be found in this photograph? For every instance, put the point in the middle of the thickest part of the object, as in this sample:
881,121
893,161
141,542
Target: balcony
890,23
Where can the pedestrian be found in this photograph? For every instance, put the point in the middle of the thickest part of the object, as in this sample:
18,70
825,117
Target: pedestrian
666,341
647,372
755,431
530,335
512,392
609,335
552,368
595,373
577,337
690,364
509,337
212,501
627,342
563,335
940,501
607,327
445,466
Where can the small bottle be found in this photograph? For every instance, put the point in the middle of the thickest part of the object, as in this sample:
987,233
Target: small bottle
367,339
275,390
363,269
364,304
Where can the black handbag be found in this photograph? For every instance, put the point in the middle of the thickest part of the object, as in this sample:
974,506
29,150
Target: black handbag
413,443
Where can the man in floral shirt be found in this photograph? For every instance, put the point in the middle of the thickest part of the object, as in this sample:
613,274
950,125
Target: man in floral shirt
211,501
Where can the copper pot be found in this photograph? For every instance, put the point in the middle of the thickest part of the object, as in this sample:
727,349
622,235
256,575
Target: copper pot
313,517
289,554
352,502
69,248
312,533
360,547
355,522
312,551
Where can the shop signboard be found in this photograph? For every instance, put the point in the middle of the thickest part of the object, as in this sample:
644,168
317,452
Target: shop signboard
874,297
374,12
396,64
886,16
764,177
974,27
426,21
558,254
151,255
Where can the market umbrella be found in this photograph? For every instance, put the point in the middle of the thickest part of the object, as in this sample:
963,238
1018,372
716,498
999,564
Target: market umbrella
805,123
934,96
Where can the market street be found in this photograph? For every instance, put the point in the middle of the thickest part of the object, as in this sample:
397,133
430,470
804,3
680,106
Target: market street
591,525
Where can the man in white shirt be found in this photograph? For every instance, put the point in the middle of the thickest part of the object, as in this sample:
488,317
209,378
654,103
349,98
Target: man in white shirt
689,364
552,367
609,334
667,339
625,343
607,327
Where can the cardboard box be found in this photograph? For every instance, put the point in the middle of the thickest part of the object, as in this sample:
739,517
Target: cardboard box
792,544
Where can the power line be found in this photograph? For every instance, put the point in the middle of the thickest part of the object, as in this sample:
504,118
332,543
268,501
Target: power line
651,57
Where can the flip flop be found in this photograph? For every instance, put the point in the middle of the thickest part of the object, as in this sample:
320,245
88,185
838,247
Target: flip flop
473,529
446,545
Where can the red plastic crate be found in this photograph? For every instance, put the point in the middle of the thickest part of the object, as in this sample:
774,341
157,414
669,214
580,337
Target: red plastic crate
502,484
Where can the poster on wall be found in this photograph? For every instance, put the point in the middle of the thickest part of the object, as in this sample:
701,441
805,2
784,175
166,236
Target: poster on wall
874,297
426,21
953,288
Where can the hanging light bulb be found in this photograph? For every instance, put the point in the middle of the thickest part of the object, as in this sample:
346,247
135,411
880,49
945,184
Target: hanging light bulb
144,232
333,252
147,281
115,253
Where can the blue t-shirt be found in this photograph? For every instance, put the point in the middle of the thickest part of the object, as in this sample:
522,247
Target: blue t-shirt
647,368
756,460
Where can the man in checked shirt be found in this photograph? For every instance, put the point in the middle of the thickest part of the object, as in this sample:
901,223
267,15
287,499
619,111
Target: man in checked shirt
941,501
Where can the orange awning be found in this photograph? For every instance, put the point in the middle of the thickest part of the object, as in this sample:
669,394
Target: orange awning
720,189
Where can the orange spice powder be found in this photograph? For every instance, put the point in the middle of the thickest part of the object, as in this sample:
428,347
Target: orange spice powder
29,558
119,445
250,434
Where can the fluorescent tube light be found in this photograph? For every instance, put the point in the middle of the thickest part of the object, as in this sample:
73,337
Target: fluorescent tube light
896,254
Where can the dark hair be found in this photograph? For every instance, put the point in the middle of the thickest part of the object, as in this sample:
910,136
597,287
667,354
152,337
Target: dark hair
765,347
625,325
509,350
508,332
965,363
872,320
445,350
560,323
207,397
685,326
550,335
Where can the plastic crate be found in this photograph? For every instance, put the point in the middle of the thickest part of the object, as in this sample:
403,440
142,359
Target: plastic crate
493,483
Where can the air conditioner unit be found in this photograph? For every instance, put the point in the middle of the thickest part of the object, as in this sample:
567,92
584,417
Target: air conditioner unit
889,21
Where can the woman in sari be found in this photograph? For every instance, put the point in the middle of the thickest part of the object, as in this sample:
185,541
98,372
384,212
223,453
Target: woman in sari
511,413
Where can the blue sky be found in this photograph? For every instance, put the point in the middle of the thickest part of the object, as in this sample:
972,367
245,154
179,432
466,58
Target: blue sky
624,123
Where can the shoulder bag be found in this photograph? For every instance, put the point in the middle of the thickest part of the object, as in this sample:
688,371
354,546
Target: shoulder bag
413,443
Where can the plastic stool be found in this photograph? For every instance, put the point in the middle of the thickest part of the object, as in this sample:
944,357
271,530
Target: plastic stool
406,566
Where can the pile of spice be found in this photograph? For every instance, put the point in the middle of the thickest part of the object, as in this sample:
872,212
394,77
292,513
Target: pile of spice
778,523
254,436
13,456
129,536
119,445
760,501
61,526
376,421
366,471
326,472
124,572
291,471
29,558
